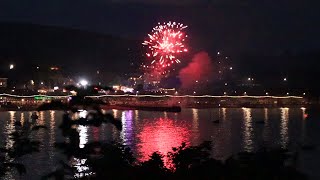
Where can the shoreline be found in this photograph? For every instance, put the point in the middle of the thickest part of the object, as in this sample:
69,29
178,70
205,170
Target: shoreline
155,103
154,108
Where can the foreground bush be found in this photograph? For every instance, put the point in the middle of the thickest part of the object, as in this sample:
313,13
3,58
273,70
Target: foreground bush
114,161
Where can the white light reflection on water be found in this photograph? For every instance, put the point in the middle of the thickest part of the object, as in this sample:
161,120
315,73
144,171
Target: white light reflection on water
29,117
165,115
10,128
195,119
41,118
175,116
22,119
123,120
195,123
224,114
136,115
52,126
265,115
136,118
83,130
52,122
266,130
127,123
41,134
82,169
83,114
284,126
115,113
115,131
304,116
83,135
79,164
247,139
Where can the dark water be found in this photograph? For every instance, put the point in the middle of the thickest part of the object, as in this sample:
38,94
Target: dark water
146,132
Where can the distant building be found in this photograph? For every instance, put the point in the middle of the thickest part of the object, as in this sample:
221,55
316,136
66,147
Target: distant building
134,81
3,82
50,78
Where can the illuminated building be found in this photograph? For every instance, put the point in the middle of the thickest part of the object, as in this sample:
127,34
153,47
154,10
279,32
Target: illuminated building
3,82
122,88
224,69
134,81
50,78
171,91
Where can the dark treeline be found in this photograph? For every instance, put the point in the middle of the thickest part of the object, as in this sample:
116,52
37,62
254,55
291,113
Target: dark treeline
300,69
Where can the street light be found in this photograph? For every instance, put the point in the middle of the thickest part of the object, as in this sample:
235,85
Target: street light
284,79
11,66
83,82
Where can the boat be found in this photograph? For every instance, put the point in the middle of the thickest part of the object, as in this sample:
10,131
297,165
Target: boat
144,108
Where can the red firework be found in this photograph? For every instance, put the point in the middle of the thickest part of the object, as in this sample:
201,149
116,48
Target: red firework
165,43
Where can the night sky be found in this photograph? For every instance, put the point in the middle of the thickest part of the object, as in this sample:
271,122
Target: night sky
234,27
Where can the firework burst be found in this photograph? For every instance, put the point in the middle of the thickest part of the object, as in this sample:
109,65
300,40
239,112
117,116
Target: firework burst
165,43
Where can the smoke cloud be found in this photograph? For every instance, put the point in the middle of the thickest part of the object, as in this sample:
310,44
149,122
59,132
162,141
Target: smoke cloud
197,73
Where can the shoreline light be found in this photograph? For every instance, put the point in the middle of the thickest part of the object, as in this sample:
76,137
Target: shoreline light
83,82
160,96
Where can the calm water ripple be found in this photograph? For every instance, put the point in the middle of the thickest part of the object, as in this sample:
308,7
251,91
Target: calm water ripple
240,129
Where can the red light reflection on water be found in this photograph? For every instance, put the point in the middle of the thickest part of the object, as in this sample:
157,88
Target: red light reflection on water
162,137
96,134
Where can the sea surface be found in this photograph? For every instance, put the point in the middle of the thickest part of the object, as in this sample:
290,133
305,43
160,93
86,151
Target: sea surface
240,129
